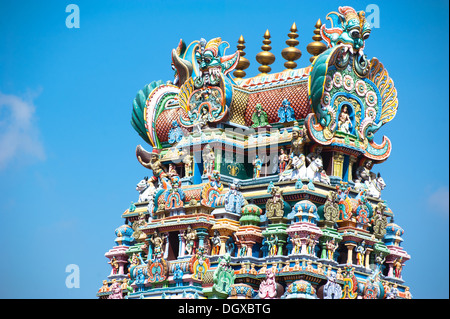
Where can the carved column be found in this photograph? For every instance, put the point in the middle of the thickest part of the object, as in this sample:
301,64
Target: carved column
350,168
350,247
166,245
338,163
367,258
182,245
202,233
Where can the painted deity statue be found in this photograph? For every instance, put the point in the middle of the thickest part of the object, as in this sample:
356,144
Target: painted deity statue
257,165
360,252
215,243
398,266
299,138
172,171
224,275
275,205
259,117
332,290
366,179
178,276
364,173
331,247
315,165
208,160
188,165
286,112
157,241
243,250
379,221
116,290
283,160
190,236
175,133
272,243
344,122
114,265
146,189
268,287
310,245
297,242
234,200
229,245
159,171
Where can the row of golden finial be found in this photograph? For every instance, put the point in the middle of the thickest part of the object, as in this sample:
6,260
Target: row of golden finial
290,53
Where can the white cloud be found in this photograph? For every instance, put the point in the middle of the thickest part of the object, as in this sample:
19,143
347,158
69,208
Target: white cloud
439,201
19,135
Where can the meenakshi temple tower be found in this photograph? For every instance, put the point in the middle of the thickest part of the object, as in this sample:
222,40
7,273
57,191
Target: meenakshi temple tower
263,187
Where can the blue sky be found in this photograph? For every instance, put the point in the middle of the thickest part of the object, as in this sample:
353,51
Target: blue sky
67,150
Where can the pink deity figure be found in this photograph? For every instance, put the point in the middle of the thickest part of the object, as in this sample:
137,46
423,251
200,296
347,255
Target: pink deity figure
398,267
114,265
311,244
268,287
331,247
172,171
283,159
116,290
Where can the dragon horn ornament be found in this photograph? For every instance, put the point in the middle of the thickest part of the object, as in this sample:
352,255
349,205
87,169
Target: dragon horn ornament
213,45
350,78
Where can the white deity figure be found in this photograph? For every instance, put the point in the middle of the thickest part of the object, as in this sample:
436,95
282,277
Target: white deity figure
315,165
344,122
146,189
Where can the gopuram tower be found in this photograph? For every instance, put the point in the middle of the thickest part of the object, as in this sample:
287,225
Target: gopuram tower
263,187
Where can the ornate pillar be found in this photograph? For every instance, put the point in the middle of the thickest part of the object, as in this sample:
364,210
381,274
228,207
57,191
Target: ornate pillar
202,233
223,248
367,258
182,245
350,247
338,164
350,168
166,245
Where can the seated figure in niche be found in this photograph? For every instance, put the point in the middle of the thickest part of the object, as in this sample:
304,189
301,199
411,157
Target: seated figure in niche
286,112
364,173
344,122
259,117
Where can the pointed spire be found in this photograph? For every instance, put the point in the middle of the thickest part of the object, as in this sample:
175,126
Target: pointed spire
316,47
291,53
243,62
265,58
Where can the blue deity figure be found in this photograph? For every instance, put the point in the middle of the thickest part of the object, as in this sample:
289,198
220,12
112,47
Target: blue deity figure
178,276
234,200
257,165
286,112
229,246
140,279
175,133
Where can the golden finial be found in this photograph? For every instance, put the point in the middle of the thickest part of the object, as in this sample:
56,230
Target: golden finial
265,57
291,53
243,62
316,47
